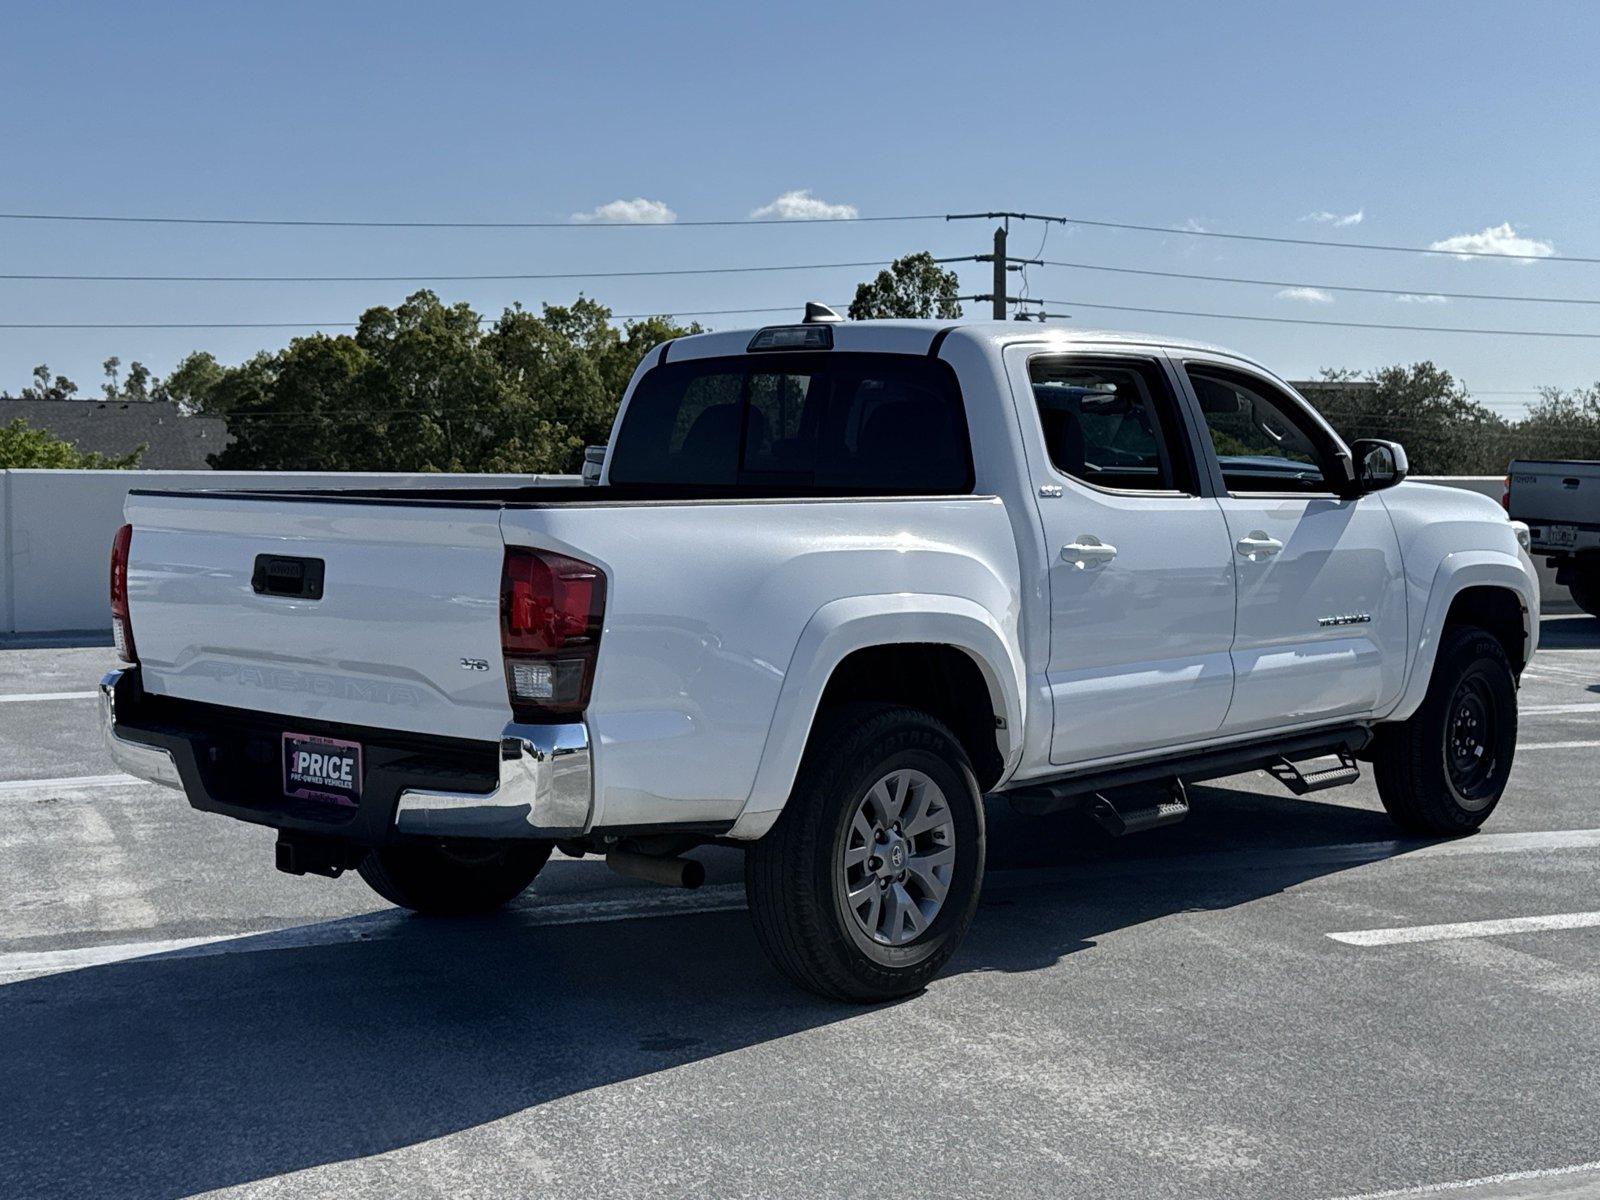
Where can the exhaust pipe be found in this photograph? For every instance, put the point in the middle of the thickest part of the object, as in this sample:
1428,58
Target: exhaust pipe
673,872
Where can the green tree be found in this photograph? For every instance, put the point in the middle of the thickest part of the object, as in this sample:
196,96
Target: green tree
424,386
23,446
46,388
1561,424
140,383
1425,409
190,382
914,286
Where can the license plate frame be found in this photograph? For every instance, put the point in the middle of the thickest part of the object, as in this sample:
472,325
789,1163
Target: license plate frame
323,769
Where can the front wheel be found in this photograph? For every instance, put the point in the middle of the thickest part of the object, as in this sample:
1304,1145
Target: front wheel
455,878
867,883
1443,770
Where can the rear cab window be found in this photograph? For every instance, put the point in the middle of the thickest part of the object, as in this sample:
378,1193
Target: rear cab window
825,423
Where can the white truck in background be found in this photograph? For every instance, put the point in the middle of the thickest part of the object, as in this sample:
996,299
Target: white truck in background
1559,501
837,581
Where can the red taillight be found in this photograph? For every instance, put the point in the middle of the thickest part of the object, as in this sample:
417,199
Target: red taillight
1505,494
121,625
551,608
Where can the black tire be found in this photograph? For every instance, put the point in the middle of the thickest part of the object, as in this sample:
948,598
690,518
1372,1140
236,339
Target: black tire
1443,770
455,879
795,880
1585,589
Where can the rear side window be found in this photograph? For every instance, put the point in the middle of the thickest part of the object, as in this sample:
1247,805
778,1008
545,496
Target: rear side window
824,423
1111,424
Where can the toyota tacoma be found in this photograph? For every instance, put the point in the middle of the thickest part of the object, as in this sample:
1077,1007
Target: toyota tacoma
837,582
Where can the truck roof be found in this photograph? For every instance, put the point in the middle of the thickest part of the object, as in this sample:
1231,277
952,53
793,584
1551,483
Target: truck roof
915,337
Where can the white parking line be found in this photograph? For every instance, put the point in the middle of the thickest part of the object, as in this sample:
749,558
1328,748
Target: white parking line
1554,710
1485,1182
68,783
37,697
374,927
1556,745
1407,934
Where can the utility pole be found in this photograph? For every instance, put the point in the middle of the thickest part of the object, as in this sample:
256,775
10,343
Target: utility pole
1002,263
1000,272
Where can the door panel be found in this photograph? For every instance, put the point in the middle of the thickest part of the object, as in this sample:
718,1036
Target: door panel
1141,572
1139,644
1322,622
1321,628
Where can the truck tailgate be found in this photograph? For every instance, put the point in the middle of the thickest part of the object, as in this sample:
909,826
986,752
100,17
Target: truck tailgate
1556,492
404,634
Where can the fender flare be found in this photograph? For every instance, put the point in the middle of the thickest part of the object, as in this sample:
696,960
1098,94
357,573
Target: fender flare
1456,573
840,628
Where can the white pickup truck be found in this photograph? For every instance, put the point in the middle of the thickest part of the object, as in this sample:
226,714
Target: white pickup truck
838,581
1559,501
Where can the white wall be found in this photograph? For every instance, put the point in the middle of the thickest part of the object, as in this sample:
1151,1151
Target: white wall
56,529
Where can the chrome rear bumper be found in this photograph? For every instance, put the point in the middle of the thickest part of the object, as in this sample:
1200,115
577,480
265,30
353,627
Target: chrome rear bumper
137,759
545,787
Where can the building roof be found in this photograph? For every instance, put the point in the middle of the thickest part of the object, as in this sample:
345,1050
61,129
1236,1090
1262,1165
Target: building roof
174,442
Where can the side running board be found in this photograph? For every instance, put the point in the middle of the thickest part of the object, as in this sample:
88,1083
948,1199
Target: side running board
1301,782
1119,821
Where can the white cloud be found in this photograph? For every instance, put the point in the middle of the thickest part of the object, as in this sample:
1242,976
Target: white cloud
1421,298
1324,217
1497,239
1192,226
638,211
801,205
1307,295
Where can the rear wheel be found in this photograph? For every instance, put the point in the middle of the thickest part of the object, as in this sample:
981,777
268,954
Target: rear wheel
1585,589
866,885
455,878
1443,770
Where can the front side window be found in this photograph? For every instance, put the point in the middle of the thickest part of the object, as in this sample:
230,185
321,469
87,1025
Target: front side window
1264,443
824,423
1111,424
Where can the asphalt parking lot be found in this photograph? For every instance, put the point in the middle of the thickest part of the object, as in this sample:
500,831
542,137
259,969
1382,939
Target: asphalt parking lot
1277,998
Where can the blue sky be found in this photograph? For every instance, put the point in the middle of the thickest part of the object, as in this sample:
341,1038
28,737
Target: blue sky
1431,121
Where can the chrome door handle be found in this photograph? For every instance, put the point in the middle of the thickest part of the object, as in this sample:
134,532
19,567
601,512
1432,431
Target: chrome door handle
1087,551
1257,544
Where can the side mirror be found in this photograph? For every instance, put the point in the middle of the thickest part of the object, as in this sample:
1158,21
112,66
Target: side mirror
1379,464
594,461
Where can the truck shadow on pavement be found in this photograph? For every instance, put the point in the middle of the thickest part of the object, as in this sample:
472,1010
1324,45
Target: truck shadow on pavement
168,1076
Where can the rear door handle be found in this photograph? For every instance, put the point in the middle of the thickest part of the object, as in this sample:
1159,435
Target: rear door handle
1087,551
1257,545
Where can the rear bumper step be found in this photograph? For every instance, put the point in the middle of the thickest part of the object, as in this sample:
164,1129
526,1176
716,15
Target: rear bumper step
540,777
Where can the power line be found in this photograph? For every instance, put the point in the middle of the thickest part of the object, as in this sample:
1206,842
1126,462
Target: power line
296,223
704,312
1183,312
1327,287
1262,237
422,278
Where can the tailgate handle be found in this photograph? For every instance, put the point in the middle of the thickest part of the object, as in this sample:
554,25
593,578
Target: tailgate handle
1569,482
278,575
